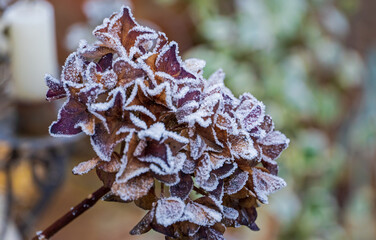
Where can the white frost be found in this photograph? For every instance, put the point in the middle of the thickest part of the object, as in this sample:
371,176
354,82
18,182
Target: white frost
265,184
169,211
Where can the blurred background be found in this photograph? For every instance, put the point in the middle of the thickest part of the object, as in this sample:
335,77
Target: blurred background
312,62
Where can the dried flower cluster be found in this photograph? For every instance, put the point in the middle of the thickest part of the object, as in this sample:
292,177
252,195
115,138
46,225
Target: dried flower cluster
193,155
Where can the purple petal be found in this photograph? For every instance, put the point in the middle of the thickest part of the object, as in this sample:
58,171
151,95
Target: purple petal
105,140
170,63
56,89
105,62
72,116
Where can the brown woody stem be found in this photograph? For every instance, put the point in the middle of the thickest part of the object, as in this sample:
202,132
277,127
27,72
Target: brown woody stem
72,214
122,147
162,190
199,190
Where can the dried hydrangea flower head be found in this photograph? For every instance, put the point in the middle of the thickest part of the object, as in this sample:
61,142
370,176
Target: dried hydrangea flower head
193,155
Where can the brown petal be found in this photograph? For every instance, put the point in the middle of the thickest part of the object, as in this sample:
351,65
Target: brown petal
129,40
150,61
85,167
135,188
265,184
127,22
217,193
174,144
197,146
230,213
192,95
248,217
144,225
236,182
271,166
105,62
250,111
134,168
189,166
201,215
210,184
273,145
189,229
222,126
168,231
169,211
169,180
225,171
94,52
248,202
183,188
217,159
113,166
72,69
243,193
104,141
209,202
242,147
214,234
127,71
116,28
161,41
146,202
267,124
107,178
156,149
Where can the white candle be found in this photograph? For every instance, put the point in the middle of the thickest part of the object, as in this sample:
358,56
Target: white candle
32,47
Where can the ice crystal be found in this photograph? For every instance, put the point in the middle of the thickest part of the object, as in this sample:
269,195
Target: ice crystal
211,155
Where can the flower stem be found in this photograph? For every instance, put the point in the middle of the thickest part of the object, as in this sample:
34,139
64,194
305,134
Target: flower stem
199,190
162,190
72,214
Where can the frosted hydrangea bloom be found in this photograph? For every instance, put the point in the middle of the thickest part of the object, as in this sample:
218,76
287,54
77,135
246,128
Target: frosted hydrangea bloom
192,154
